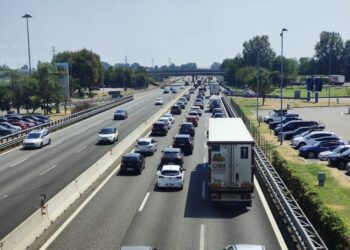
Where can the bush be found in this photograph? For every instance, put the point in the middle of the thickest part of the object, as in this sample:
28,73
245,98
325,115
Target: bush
81,106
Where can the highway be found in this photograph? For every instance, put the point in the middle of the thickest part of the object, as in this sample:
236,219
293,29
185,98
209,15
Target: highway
25,174
130,210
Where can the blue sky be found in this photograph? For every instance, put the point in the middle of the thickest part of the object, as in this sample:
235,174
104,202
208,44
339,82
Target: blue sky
201,31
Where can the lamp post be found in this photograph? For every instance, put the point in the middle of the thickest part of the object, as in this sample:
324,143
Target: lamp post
282,84
329,75
26,16
257,90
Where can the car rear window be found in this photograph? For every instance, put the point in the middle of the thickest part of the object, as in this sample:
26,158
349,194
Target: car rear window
171,154
130,158
143,143
158,125
170,172
120,111
181,139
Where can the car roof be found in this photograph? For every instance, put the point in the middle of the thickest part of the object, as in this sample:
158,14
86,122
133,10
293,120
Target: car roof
186,123
247,247
159,122
38,131
195,107
126,155
120,110
177,150
145,139
183,135
177,106
191,117
171,167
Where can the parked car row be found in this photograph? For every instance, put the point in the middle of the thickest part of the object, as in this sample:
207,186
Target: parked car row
13,123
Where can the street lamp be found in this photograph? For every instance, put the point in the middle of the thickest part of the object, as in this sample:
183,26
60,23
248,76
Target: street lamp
26,16
329,74
282,83
257,90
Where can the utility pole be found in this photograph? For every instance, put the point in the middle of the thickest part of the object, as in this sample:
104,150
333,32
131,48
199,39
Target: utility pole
53,51
282,85
257,89
26,16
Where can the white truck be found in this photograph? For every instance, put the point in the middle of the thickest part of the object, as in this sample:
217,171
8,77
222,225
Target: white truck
230,154
214,88
215,102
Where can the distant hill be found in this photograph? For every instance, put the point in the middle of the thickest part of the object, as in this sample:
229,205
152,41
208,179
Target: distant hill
105,65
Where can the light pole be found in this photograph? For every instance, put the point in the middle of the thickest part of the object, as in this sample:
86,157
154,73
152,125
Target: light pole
329,75
257,89
26,16
282,83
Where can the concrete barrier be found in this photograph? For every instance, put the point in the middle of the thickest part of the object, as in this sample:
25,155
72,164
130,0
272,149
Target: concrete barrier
26,233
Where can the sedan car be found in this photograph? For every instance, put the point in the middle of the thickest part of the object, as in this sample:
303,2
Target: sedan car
120,114
323,156
146,146
107,135
171,176
159,101
181,105
37,139
312,151
244,247
193,119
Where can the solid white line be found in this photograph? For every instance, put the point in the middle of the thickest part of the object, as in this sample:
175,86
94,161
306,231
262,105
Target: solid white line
270,216
203,190
66,223
48,169
18,162
144,202
80,149
201,241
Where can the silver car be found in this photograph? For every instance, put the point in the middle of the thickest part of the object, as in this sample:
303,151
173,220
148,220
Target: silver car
244,247
146,146
37,139
107,135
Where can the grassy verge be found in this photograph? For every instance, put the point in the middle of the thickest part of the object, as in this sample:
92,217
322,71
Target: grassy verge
334,196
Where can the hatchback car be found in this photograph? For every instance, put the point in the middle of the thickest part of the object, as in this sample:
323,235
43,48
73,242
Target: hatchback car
339,160
312,151
172,156
159,128
323,156
166,91
170,116
159,101
198,109
37,139
193,119
133,162
120,114
181,104
175,110
184,100
199,103
187,128
303,140
146,146
107,135
167,121
171,176
184,141
244,247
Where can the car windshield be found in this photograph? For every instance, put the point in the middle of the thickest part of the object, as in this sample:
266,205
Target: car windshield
119,112
143,143
170,172
186,125
33,135
171,154
107,131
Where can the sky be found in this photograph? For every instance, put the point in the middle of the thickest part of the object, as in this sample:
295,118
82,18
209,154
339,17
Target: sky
200,31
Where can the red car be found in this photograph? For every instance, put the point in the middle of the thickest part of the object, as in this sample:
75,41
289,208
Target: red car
23,125
193,119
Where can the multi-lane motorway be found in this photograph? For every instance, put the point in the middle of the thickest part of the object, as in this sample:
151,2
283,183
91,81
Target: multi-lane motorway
25,174
130,210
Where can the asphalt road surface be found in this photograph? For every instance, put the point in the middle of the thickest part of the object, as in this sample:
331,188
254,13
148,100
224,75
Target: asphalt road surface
25,174
167,219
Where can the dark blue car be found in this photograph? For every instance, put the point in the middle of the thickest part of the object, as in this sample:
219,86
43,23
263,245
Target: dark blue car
312,151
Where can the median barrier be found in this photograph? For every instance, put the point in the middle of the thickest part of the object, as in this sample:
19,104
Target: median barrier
30,229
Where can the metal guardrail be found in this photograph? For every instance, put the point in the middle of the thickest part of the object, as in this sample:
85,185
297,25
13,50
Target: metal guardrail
301,228
16,138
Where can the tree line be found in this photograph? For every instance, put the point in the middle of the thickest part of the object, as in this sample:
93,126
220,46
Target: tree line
242,69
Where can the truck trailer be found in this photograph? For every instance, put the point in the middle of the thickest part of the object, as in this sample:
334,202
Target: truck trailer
214,88
230,154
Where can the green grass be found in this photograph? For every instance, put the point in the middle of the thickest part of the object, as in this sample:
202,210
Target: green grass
335,194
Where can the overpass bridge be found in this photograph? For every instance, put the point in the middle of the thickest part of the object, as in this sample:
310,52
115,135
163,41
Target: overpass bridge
193,72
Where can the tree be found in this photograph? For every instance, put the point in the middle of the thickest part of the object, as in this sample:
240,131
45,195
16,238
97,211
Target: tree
305,66
346,59
330,46
290,69
6,95
261,45
232,65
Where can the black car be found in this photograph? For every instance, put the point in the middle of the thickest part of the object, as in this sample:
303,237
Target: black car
4,132
184,142
172,156
292,125
120,114
181,104
289,134
175,110
339,160
273,125
133,162
187,96
159,128
187,128
217,110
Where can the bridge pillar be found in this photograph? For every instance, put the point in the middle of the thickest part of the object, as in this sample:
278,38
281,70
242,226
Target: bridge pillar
193,78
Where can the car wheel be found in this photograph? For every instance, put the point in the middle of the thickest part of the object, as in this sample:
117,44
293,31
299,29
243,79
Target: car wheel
301,144
341,165
311,155
49,142
41,145
139,171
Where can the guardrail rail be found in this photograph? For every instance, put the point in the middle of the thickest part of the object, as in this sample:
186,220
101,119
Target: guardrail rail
301,228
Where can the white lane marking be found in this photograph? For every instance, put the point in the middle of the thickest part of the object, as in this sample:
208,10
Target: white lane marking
201,240
203,190
80,149
144,202
81,207
19,162
48,169
270,216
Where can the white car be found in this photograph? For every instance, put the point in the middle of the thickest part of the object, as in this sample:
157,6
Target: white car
146,146
303,140
171,176
244,247
170,116
159,101
37,139
184,100
323,156
166,120
107,135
